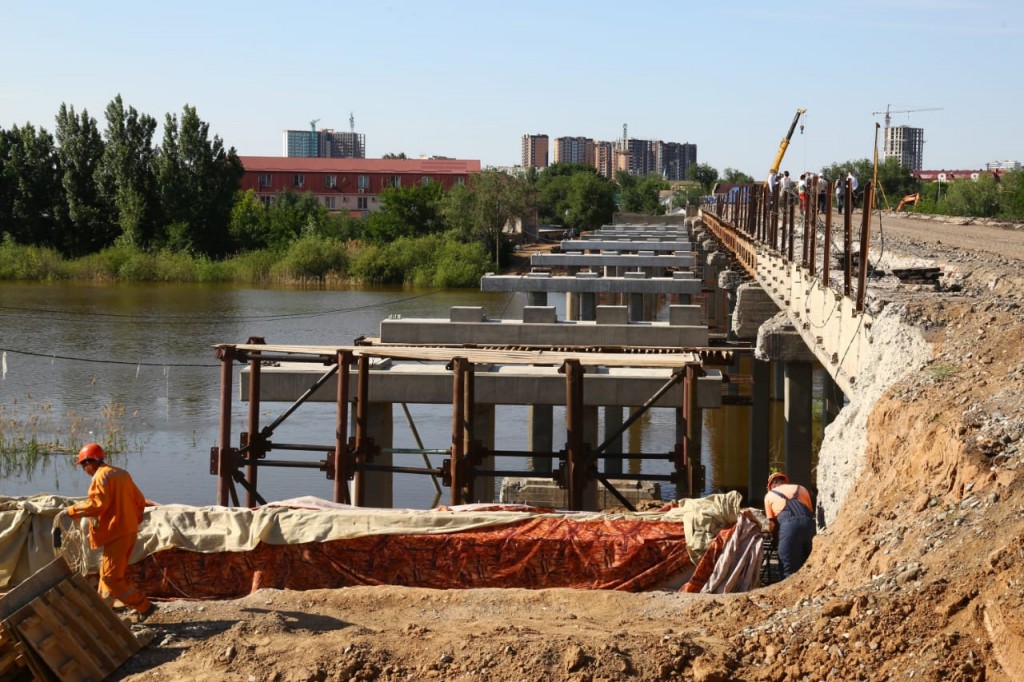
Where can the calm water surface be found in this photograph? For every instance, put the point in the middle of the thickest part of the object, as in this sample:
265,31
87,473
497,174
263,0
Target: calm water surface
85,361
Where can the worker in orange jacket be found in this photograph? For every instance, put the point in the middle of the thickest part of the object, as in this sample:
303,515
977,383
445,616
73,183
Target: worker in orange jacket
115,504
791,520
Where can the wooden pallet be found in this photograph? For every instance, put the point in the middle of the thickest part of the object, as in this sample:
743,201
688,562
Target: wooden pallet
14,665
68,633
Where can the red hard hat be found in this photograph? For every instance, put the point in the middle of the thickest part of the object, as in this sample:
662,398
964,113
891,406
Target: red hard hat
90,451
777,476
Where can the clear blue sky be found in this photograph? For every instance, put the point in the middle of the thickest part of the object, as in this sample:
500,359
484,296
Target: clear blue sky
468,79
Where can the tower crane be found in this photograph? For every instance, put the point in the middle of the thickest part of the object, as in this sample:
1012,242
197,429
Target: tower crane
312,124
889,111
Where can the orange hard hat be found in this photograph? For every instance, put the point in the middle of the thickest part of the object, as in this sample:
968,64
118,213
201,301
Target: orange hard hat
90,451
777,476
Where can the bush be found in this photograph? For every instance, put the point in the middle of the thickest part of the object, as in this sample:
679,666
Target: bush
29,262
312,257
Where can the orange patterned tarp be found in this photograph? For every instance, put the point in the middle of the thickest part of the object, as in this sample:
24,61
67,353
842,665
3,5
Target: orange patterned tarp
543,552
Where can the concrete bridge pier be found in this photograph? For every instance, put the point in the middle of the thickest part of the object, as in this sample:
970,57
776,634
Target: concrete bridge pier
779,341
482,428
376,488
539,439
588,306
614,417
752,308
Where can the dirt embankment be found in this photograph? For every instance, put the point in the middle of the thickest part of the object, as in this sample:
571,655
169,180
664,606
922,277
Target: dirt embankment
921,576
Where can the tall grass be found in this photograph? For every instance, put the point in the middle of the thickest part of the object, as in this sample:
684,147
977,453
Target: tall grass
31,433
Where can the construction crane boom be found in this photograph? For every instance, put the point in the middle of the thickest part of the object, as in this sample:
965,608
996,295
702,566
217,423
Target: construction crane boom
785,142
888,112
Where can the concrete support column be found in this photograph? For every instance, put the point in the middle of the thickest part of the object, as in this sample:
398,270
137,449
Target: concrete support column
590,437
378,486
572,306
588,306
539,439
636,307
833,399
537,298
760,419
799,391
483,432
613,420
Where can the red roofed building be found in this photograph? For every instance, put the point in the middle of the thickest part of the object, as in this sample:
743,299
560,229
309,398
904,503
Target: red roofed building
951,175
352,185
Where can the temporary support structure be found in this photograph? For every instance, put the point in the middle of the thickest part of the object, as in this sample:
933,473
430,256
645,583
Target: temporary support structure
349,459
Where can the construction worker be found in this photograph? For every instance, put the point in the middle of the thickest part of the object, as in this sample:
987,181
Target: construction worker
791,520
115,504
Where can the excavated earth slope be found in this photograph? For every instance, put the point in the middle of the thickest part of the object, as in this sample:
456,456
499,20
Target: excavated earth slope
919,576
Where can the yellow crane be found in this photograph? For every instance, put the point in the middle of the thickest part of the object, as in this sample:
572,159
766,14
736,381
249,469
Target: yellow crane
785,142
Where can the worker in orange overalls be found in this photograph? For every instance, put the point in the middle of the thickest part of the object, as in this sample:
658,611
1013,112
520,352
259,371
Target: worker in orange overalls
115,504
791,519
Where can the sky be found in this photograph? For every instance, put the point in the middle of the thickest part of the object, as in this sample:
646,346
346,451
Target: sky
468,79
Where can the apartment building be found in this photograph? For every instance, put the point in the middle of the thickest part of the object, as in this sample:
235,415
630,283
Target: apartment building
905,144
573,150
325,143
535,151
352,185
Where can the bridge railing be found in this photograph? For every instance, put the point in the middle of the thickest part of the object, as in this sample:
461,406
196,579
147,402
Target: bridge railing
754,218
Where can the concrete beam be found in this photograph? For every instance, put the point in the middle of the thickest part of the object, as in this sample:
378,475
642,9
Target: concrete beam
562,260
597,285
517,333
431,384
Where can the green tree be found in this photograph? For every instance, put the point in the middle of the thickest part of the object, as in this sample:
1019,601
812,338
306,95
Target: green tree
591,202
735,177
250,222
293,214
640,194
973,197
29,186
479,211
1011,195
552,190
406,212
125,176
87,222
704,175
197,179
392,155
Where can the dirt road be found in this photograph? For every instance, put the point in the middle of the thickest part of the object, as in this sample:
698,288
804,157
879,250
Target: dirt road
920,577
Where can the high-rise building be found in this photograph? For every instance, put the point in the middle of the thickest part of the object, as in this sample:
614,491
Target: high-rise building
535,151
573,150
325,143
905,144
672,160
604,159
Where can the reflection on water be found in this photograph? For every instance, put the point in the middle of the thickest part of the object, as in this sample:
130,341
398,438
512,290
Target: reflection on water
75,352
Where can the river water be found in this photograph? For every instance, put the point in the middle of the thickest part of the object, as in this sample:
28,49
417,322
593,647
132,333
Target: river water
134,365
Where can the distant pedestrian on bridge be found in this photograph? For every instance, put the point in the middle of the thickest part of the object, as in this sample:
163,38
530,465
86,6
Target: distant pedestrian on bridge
790,515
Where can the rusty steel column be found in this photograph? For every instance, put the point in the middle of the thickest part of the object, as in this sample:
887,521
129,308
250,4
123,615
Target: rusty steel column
362,437
469,433
224,452
341,470
255,440
577,466
826,247
847,240
865,232
456,464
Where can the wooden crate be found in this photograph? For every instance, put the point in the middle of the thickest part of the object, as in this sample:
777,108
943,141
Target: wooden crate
68,632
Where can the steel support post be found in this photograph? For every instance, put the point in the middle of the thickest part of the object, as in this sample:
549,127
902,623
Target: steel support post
256,448
865,233
577,466
362,437
225,464
341,470
456,467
